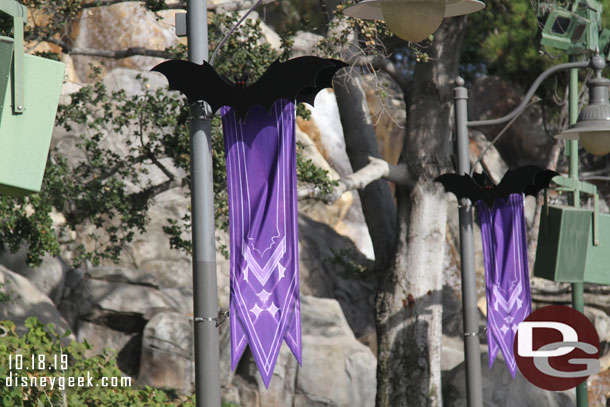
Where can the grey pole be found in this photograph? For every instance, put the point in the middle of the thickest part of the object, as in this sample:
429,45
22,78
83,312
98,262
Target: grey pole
474,388
205,295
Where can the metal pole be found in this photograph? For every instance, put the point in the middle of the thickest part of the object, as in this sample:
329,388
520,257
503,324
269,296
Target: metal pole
474,388
578,296
205,295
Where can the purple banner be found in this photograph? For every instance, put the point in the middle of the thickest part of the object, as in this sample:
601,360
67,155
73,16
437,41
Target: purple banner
506,274
261,178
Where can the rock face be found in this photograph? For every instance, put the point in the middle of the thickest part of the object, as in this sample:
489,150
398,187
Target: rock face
331,267
25,300
525,141
167,353
110,306
118,27
146,317
337,371
500,390
48,277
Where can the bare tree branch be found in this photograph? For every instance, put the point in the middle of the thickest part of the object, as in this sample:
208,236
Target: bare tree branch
380,63
221,7
119,54
376,169
232,5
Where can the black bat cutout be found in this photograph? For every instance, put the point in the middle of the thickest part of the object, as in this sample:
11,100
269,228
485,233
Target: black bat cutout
298,79
528,180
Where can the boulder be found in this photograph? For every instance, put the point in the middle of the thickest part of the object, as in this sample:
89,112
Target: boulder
167,353
121,306
126,345
247,388
601,321
599,389
337,370
500,390
332,267
118,27
305,43
25,300
546,292
133,81
121,275
452,352
48,277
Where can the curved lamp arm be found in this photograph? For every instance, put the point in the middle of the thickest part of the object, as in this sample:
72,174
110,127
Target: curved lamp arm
530,93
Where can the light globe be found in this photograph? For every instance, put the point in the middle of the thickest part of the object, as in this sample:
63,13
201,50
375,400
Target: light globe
413,20
593,125
596,142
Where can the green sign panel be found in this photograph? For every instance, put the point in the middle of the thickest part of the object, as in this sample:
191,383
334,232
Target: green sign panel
566,251
25,137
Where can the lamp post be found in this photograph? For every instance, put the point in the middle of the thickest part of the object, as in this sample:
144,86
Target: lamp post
205,290
402,18
593,123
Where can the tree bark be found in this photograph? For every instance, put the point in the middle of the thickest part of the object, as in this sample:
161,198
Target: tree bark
409,302
361,143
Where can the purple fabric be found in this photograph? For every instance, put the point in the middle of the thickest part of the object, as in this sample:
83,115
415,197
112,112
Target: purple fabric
506,274
261,178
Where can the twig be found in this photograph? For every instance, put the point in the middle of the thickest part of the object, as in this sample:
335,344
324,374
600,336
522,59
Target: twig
380,63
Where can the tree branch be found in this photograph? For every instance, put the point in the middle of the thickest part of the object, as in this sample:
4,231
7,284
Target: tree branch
119,54
375,170
221,7
112,171
377,62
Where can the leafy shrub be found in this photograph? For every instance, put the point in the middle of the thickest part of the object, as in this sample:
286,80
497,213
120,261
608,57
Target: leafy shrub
42,341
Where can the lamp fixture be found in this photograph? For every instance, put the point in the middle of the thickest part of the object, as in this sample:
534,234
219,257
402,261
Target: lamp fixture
593,125
412,20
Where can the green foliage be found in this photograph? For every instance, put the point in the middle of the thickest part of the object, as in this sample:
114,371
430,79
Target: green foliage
4,295
371,35
308,172
103,190
502,40
245,53
44,342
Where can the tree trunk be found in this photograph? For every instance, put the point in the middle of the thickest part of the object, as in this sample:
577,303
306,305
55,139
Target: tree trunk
409,302
360,141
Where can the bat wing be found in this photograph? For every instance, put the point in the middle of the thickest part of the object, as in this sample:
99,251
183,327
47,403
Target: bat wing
324,79
463,186
199,82
542,181
529,180
517,181
298,79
